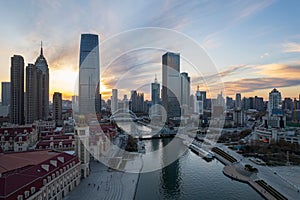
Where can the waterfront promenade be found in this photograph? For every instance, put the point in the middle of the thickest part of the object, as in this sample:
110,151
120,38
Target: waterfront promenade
266,181
106,184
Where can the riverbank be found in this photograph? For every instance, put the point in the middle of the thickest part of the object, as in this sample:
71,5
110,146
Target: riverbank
265,181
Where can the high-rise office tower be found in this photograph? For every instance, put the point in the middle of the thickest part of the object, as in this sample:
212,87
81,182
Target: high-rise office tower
5,96
89,73
204,99
57,106
17,90
238,101
114,101
75,104
155,95
185,87
198,107
171,85
185,82
32,103
133,101
275,102
43,86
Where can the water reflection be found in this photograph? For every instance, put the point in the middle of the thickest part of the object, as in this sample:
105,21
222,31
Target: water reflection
171,174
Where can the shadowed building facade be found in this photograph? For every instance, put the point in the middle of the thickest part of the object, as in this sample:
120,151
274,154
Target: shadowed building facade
89,73
5,95
37,90
171,85
17,90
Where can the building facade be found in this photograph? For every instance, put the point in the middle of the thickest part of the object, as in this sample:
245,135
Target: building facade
82,145
57,106
20,138
17,90
238,101
32,106
38,175
155,97
185,90
42,86
89,73
171,85
114,101
5,95
275,102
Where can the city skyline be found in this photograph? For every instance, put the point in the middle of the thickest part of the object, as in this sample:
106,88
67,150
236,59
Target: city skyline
249,42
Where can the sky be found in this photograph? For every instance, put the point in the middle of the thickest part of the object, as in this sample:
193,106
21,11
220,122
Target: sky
253,45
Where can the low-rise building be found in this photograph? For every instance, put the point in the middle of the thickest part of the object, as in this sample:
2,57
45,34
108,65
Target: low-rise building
275,135
38,175
18,138
57,142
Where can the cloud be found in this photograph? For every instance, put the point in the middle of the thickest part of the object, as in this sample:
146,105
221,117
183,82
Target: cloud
260,77
254,84
264,55
291,47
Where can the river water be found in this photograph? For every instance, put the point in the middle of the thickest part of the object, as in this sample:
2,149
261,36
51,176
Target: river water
189,177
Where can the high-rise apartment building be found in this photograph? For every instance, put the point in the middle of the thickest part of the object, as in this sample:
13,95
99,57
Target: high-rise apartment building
275,102
171,85
5,95
114,101
238,101
89,73
32,104
17,90
57,106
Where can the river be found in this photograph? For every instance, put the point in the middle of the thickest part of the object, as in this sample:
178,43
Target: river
189,177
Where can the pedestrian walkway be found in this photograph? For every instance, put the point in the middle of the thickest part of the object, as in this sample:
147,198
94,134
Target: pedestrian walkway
103,183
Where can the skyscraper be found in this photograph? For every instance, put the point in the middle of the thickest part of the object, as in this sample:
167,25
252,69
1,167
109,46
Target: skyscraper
114,101
203,96
171,84
17,90
57,106
32,105
198,102
185,88
5,98
238,101
274,105
89,73
155,94
185,81
43,86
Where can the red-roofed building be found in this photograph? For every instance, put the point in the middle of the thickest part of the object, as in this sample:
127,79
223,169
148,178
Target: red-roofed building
17,138
38,175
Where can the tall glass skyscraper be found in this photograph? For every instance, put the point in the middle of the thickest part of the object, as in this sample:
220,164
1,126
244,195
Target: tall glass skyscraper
171,84
89,73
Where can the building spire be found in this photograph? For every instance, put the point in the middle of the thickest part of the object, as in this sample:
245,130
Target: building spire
155,80
198,87
41,47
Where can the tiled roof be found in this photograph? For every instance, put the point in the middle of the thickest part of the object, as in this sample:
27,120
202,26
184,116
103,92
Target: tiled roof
22,179
12,161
